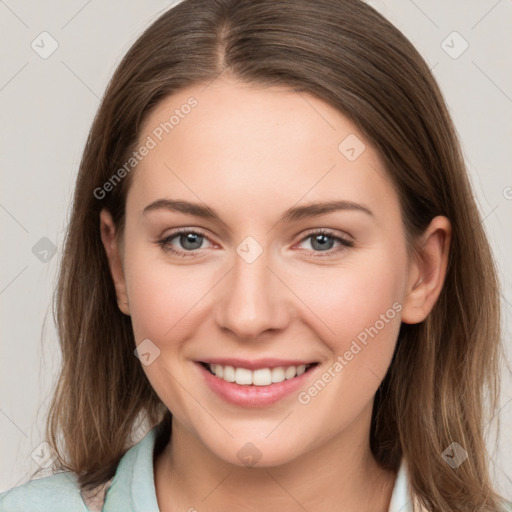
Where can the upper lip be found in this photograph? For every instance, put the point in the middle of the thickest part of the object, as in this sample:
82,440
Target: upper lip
255,364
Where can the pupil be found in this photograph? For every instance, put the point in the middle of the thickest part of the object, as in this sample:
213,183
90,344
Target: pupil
323,241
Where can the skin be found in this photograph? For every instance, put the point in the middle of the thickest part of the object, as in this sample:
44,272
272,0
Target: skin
250,153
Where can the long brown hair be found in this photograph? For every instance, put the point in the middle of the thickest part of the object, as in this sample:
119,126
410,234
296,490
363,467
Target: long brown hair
348,55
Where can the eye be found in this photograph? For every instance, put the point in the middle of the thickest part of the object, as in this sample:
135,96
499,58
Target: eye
324,241
188,239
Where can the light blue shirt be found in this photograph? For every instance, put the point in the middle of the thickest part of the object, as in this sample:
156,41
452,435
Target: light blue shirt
132,488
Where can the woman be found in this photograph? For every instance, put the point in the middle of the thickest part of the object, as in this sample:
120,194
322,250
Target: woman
274,260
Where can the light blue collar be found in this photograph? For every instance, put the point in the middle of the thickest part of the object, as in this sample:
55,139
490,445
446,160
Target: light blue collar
133,487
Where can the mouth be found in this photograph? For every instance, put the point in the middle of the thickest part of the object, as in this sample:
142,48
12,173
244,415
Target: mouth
264,383
264,376
255,384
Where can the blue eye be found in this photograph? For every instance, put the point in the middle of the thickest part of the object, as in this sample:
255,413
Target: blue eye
324,240
188,239
321,241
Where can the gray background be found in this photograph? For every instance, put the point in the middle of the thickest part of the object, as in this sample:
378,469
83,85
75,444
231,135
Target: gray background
47,106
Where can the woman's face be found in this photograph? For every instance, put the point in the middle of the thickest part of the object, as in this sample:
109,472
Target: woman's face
292,258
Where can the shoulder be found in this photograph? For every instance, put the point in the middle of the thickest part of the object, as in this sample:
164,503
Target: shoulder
55,493
132,487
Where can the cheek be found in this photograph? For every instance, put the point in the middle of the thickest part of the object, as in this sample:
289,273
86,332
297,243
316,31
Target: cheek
165,301
362,308
358,316
349,300
163,298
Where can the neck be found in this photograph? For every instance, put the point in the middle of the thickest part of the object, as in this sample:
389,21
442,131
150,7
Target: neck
340,475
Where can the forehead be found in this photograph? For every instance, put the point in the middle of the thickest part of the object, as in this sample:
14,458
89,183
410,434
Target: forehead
240,142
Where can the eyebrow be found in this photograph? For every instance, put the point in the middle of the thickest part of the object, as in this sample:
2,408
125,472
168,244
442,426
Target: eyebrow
293,214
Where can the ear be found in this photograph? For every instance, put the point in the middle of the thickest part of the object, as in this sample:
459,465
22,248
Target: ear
427,271
113,250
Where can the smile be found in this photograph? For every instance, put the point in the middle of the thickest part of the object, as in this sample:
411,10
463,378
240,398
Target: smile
249,383
259,377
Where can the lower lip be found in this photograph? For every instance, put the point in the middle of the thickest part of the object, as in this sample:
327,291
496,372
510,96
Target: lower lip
252,396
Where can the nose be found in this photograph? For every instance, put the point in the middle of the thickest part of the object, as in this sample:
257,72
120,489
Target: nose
253,300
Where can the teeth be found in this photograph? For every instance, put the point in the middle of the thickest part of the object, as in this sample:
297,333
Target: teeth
277,375
228,373
290,372
260,377
243,376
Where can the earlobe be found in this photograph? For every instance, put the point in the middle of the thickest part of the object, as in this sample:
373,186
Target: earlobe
113,251
427,271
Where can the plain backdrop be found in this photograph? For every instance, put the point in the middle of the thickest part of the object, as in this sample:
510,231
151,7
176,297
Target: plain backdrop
56,59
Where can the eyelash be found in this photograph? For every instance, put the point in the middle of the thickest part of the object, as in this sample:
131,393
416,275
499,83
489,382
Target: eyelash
164,243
